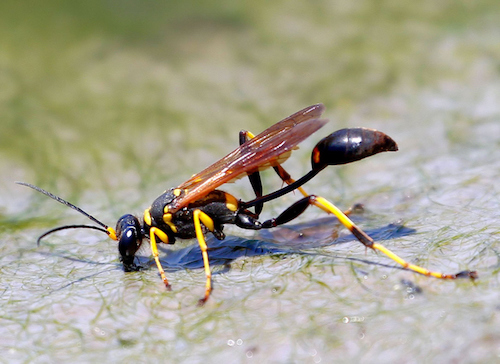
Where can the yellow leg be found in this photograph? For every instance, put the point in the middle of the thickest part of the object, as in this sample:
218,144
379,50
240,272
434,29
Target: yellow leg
285,176
327,206
153,233
200,217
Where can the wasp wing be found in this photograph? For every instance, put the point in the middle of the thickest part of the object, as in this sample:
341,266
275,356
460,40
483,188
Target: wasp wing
269,148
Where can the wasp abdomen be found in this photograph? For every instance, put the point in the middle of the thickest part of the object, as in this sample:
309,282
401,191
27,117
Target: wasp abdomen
349,145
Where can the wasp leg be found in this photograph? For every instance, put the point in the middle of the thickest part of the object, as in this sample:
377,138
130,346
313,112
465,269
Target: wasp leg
285,176
254,178
200,217
299,207
153,233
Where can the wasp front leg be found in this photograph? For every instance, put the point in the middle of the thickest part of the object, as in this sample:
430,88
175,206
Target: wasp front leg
153,233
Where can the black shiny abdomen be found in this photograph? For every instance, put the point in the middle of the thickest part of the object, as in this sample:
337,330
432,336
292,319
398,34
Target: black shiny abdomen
349,145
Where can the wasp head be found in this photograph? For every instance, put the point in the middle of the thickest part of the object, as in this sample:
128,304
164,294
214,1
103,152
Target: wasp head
129,234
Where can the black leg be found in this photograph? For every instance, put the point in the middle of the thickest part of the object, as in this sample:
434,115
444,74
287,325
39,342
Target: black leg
246,221
254,178
290,213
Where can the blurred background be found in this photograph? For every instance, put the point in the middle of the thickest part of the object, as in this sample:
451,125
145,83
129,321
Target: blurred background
108,103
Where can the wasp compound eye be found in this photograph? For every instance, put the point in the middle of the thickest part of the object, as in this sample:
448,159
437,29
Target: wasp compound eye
350,145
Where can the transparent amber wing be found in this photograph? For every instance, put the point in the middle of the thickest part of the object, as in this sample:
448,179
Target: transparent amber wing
269,148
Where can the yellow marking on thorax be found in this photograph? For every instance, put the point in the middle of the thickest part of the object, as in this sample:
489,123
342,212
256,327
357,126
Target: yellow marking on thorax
177,192
147,217
231,202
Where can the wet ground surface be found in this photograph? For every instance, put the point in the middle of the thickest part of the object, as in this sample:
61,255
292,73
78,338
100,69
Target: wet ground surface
107,111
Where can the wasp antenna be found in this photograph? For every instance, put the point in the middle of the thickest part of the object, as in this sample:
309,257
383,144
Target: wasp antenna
64,202
69,227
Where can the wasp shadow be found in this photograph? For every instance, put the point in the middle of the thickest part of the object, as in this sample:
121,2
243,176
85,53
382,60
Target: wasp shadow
289,239
300,238
328,231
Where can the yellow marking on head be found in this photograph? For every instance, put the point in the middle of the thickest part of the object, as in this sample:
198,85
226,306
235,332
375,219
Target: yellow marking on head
177,192
231,202
111,233
167,219
165,209
147,217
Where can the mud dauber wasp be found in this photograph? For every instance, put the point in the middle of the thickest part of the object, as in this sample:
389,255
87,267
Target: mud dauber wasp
197,207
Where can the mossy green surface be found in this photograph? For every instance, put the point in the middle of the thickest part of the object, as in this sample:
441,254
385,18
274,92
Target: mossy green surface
108,103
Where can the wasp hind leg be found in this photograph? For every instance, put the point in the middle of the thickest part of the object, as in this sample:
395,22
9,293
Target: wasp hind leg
300,206
255,179
285,176
256,182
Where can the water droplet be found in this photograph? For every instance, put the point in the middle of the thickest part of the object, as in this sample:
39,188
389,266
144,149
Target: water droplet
99,331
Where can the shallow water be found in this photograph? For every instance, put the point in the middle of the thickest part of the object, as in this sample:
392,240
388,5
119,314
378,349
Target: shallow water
107,111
